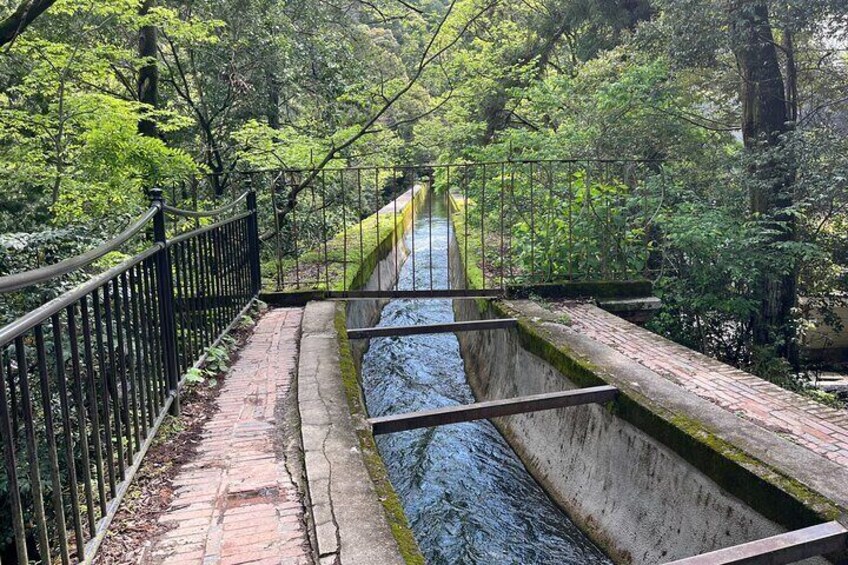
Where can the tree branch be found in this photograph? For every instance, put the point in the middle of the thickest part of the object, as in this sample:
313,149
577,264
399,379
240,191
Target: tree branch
429,55
20,19
426,60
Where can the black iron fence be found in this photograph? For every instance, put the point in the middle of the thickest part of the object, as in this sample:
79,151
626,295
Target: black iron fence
87,379
514,222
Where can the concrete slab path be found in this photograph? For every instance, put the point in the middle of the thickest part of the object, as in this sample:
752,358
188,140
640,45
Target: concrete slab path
819,428
237,502
350,523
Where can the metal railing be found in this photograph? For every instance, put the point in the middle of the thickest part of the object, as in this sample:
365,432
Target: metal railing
827,539
87,379
514,222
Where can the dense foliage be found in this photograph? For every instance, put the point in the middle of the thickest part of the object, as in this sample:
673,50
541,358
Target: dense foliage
743,101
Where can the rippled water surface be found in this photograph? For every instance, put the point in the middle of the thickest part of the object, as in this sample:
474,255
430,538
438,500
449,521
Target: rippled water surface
467,495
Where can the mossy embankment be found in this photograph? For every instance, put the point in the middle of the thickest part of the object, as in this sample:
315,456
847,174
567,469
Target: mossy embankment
474,250
346,261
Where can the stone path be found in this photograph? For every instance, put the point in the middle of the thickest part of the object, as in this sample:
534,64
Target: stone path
817,427
236,502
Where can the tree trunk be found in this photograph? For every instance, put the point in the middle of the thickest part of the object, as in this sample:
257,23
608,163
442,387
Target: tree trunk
214,160
273,100
791,76
148,74
764,124
21,18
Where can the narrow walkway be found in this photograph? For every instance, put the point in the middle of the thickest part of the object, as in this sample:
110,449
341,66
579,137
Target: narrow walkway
822,429
236,502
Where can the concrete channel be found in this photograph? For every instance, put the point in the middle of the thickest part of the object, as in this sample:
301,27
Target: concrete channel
655,475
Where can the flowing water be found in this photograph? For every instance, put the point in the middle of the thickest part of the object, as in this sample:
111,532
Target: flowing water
467,495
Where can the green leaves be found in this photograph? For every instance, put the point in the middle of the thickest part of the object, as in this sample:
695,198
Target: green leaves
109,165
69,141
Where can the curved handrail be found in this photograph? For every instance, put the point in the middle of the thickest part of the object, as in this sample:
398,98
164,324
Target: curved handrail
18,281
206,214
188,235
35,317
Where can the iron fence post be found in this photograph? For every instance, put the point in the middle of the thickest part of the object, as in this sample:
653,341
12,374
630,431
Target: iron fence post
7,435
253,242
165,293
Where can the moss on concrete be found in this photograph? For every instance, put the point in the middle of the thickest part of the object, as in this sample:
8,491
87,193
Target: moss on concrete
392,505
349,262
468,242
776,496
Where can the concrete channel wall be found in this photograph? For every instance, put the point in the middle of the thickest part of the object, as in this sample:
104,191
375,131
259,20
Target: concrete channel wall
364,312
636,498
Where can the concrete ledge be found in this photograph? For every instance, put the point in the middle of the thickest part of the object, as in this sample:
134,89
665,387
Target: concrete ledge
608,290
350,524
769,456
635,310
658,474
630,304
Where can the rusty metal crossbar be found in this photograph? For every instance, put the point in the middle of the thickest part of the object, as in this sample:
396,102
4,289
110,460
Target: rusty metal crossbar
434,293
492,409
395,331
821,539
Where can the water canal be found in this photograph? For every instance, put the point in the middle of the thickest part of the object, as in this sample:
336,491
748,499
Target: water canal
467,495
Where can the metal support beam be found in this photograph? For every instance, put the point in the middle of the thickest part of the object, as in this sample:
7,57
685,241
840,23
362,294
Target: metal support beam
491,409
435,293
830,537
392,331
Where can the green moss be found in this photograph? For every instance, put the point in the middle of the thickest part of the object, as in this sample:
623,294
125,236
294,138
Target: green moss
775,504
773,494
376,469
347,261
564,319
468,242
776,496
533,339
351,255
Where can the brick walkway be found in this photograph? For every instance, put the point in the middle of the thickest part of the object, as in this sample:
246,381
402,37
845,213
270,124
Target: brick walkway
236,503
817,427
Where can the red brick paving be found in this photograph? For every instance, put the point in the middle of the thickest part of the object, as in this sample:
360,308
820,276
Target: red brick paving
819,428
236,503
